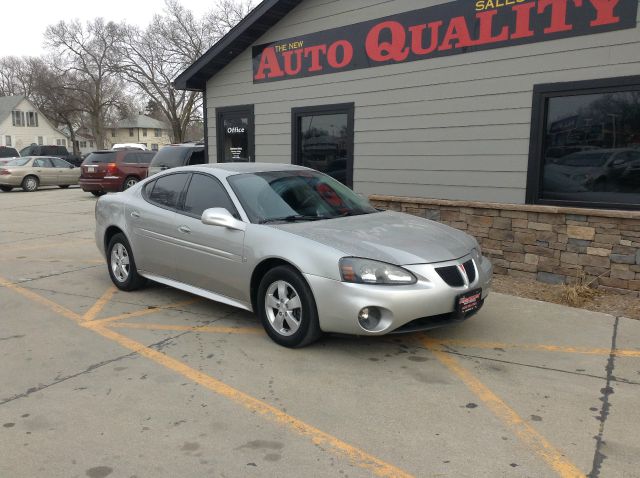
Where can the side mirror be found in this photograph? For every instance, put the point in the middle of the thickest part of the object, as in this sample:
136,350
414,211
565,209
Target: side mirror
219,216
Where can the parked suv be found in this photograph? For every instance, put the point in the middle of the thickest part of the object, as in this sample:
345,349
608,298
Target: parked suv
7,153
50,150
113,171
174,155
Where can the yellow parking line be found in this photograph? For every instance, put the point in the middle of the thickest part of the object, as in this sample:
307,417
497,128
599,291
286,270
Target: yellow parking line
140,313
37,298
358,457
523,430
542,347
96,308
186,328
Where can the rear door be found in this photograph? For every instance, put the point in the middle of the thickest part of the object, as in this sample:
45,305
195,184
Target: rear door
95,165
210,257
156,238
45,171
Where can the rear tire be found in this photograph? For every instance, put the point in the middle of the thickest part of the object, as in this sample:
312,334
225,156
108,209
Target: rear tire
287,308
98,193
30,184
122,266
6,189
129,182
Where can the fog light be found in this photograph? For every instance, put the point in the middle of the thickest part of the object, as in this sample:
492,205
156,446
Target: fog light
369,318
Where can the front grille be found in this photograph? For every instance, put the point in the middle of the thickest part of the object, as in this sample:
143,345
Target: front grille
451,275
471,271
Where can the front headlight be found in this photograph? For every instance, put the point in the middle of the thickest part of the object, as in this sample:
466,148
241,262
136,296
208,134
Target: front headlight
367,271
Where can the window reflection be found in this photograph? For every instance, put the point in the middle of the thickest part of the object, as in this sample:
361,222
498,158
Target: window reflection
323,144
592,148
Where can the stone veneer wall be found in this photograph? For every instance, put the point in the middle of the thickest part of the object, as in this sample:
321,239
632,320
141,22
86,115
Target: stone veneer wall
545,243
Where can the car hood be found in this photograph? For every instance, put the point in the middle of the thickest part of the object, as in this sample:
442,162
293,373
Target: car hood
391,237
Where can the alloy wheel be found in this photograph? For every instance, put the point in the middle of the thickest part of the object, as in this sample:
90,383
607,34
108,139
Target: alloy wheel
283,307
120,262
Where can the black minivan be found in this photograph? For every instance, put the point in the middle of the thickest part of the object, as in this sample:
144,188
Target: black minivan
51,150
175,155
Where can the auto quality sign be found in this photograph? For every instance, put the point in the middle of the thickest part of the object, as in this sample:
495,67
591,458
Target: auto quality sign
447,29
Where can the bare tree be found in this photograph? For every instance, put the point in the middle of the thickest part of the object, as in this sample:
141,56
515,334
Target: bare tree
152,58
88,53
15,78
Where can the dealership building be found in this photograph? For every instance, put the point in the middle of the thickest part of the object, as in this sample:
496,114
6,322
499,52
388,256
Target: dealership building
517,121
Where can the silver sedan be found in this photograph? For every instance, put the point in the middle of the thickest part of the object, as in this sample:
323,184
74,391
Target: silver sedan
298,248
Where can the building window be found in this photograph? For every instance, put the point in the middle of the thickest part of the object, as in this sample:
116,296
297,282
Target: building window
113,133
144,132
585,148
158,133
154,147
322,139
40,140
83,144
61,142
32,119
7,140
131,132
91,144
17,118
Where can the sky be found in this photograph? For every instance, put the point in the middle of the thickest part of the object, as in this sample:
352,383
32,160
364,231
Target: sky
25,21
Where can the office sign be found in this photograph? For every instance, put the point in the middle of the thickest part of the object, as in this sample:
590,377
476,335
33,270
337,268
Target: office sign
451,28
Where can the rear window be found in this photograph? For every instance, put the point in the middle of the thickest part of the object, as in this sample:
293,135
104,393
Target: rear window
97,158
170,156
18,162
8,153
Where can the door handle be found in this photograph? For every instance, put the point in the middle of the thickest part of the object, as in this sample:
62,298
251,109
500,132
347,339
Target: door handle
184,229
135,214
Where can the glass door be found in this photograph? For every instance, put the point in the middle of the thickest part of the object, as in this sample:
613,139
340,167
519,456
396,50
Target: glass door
235,138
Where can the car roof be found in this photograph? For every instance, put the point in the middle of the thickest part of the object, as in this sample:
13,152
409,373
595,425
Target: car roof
232,169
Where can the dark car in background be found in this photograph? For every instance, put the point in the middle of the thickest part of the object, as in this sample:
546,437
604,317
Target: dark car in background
114,171
7,153
51,151
175,155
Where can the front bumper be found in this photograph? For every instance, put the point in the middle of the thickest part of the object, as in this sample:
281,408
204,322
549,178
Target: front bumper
426,304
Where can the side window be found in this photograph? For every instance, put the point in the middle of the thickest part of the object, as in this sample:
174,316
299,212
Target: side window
206,192
167,190
60,163
131,158
197,157
42,163
145,158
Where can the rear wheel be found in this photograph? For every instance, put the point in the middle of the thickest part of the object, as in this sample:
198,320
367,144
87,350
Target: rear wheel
30,184
129,182
98,193
122,266
6,189
287,308
63,186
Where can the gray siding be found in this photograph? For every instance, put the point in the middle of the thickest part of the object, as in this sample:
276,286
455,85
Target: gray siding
451,128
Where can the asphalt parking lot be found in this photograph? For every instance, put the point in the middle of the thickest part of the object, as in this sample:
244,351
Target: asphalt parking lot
158,383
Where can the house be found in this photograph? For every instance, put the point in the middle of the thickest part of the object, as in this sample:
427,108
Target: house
140,129
21,124
516,121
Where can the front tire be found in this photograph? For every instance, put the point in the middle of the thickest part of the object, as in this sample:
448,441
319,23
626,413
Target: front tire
287,308
121,265
30,184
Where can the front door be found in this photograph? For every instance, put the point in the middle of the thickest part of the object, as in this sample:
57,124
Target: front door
46,172
236,135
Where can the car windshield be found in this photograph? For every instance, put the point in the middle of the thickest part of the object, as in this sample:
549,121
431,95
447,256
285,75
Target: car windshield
288,196
18,162
585,159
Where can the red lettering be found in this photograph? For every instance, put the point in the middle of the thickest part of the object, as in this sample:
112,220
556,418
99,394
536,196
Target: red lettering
385,51
347,54
269,61
604,8
315,51
486,28
523,21
457,31
417,38
558,14
288,60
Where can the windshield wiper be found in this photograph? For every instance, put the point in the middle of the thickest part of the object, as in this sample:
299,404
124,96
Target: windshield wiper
294,218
